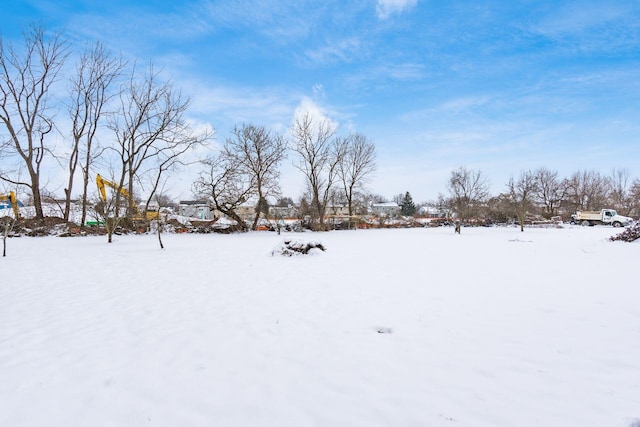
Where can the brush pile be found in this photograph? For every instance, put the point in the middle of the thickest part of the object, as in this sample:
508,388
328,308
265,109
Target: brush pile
630,234
297,247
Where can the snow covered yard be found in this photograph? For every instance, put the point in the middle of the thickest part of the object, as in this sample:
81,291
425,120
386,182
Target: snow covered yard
415,327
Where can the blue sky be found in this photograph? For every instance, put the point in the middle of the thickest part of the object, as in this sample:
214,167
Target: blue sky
500,86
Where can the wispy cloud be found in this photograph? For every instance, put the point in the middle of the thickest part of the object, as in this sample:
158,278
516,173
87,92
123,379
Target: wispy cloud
225,105
343,51
606,27
386,8
459,105
386,74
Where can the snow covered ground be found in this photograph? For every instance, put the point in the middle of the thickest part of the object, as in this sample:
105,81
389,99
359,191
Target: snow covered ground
414,327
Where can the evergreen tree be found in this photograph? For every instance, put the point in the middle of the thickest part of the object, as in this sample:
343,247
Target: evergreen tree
407,207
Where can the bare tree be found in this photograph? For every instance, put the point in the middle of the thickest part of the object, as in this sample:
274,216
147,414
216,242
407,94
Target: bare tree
170,158
258,153
468,189
620,195
319,154
550,191
149,128
521,193
356,166
225,186
586,190
90,91
398,198
26,79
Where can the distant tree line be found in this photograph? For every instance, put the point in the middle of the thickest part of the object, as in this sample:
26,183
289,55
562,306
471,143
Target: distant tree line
541,192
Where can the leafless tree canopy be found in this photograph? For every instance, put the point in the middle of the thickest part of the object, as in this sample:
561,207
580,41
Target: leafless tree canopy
319,154
225,186
257,153
468,189
620,191
586,190
150,131
246,168
356,165
521,193
550,191
90,91
26,77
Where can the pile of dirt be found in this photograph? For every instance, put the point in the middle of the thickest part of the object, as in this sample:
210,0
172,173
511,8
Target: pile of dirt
52,226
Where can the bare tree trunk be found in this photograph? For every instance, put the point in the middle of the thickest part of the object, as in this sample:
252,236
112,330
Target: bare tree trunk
73,162
7,225
160,227
85,187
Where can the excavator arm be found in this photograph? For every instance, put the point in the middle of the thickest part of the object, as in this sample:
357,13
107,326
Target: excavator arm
102,183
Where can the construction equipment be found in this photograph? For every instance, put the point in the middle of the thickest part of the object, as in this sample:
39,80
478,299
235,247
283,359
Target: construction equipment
13,201
151,214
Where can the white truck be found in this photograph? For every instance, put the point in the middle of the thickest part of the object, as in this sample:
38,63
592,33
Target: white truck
604,216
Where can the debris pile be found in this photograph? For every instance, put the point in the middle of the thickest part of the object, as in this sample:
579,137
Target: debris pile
297,247
630,234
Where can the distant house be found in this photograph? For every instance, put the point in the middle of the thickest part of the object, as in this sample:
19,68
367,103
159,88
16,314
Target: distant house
196,209
283,212
246,211
337,210
385,209
433,212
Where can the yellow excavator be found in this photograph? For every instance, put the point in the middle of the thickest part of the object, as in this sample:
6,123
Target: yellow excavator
137,216
13,201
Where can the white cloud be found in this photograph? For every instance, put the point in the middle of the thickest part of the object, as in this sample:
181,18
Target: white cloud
386,8
316,112
228,105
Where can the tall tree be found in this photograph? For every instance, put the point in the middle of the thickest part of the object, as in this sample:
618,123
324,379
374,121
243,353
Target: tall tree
356,166
620,195
408,207
550,191
587,190
150,131
521,192
468,189
26,111
319,156
258,153
96,71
